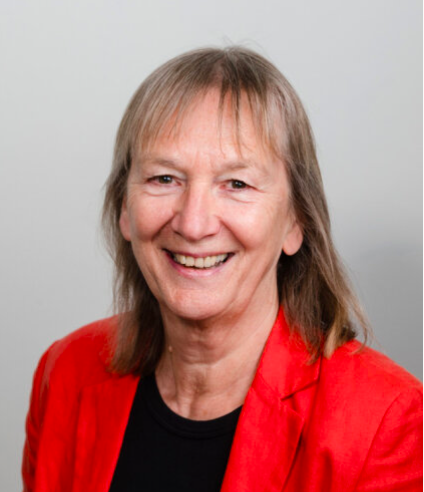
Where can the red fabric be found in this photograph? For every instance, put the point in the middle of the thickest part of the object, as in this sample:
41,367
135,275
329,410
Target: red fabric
349,423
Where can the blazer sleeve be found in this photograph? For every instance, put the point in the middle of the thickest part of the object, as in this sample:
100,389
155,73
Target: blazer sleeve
34,423
394,462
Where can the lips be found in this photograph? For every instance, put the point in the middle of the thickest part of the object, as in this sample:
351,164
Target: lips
199,262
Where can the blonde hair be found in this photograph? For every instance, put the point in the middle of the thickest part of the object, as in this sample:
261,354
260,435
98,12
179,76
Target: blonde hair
314,290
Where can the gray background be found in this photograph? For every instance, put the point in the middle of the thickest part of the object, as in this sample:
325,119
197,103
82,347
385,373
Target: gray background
68,70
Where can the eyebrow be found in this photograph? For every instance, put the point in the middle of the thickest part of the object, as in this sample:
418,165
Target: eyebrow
154,159
175,164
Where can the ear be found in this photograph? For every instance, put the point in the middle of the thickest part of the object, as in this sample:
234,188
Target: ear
124,220
293,239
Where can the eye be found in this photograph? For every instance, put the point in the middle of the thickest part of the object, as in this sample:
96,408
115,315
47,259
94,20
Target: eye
164,179
236,184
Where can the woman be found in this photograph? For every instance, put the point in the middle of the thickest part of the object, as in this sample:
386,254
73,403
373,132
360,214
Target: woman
232,365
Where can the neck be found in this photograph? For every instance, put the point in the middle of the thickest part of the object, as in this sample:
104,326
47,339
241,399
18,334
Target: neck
207,367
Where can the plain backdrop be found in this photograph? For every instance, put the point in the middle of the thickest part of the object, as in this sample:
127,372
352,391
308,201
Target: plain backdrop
68,70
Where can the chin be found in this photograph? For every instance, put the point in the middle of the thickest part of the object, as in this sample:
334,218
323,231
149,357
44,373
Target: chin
192,310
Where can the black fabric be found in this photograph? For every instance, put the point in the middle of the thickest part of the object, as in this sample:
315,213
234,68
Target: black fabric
164,452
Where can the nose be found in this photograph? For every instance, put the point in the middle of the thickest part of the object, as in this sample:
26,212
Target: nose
195,216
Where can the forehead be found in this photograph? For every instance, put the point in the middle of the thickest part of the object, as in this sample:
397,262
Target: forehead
211,125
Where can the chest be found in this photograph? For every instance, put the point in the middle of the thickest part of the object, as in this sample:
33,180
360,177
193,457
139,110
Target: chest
295,444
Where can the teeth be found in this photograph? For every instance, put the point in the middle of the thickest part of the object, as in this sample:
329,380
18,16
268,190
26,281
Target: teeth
189,261
206,262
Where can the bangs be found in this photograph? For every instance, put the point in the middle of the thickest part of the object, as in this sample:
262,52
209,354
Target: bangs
163,100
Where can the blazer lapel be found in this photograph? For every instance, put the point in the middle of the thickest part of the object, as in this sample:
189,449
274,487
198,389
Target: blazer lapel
269,429
103,417
264,445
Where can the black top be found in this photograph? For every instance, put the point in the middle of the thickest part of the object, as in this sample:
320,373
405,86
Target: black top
163,451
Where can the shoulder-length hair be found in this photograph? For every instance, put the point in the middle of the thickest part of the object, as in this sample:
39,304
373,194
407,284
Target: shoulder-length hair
314,290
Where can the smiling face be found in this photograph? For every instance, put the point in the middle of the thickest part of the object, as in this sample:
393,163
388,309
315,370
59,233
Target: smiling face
207,223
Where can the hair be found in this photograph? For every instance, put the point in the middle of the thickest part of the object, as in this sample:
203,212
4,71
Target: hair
314,289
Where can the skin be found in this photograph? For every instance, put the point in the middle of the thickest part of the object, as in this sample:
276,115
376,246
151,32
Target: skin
197,193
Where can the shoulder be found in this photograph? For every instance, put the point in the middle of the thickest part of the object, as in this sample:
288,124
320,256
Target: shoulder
367,412
370,394
364,387
77,362
381,411
82,356
367,370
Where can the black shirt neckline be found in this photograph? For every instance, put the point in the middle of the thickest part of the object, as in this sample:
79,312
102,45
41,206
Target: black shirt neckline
195,429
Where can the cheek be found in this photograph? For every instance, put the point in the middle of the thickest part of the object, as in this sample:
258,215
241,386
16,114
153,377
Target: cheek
148,217
259,227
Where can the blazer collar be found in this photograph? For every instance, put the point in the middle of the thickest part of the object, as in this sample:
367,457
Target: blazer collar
284,364
269,428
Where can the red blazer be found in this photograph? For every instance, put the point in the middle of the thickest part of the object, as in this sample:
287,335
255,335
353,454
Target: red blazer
349,423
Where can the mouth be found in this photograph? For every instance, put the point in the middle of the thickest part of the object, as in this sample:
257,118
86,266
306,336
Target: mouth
199,262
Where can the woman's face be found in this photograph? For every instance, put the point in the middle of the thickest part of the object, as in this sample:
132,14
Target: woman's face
207,223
